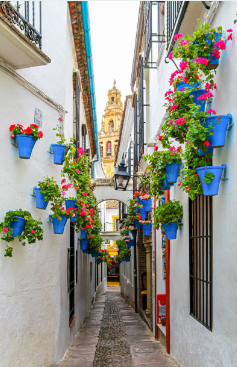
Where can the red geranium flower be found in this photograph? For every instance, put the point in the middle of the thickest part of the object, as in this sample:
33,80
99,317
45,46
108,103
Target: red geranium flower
28,130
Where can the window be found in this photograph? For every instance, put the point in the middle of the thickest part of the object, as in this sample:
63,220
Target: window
84,133
200,259
174,16
115,149
111,124
112,99
101,150
108,148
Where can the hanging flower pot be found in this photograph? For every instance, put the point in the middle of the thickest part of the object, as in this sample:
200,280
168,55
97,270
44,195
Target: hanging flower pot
213,60
171,230
84,244
210,188
143,213
83,234
147,229
128,243
186,86
201,152
99,261
172,172
201,103
59,152
218,125
59,224
127,258
94,253
71,204
138,225
134,232
18,226
147,204
40,202
25,145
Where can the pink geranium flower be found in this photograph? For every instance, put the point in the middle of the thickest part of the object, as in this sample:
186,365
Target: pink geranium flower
173,107
32,231
80,151
183,65
206,143
177,36
63,193
211,111
156,148
184,42
229,30
60,119
5,230
170,56
205,96
220,44
78,171
201,60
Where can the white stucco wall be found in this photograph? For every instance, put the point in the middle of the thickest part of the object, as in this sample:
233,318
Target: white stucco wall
33,287
191,343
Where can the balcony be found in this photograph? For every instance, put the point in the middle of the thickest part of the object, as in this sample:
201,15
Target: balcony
20,41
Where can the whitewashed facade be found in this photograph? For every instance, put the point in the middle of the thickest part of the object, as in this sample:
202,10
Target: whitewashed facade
34,296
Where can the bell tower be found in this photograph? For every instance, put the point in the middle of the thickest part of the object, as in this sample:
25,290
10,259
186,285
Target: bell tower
109,133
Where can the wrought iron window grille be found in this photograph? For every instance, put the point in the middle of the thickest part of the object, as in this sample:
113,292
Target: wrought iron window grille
200,259
175,11
152,31
13,15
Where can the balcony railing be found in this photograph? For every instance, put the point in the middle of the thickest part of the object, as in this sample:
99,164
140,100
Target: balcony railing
153,30
28,23
175,11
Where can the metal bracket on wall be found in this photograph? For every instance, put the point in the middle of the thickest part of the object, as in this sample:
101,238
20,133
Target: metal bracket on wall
224,178
50,151
33,192
14,142
231,121
50,218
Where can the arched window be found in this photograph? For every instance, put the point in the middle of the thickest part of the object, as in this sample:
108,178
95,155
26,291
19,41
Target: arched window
111,124
108,148
101,149
115,149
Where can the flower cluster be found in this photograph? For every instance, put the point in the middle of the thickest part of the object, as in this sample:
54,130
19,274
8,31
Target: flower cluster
32,130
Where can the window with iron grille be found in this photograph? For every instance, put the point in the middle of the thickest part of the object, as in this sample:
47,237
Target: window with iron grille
153,31
76,109
175,11
139,120
200,259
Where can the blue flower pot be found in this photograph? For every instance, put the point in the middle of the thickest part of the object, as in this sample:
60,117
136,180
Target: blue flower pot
59,152
94,254
218,125
128,244
18,226
40,202
147,229
134,232
187,86
140,201
84,244
83,234
59,225
166,185
147,204
99,262
201,103
213,61
138,225
143,213
70,203
171,230
201,152
210,189
73,219
172,172
127,259
25,145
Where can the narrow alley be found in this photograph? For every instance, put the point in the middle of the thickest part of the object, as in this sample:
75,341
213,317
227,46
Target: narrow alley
113,335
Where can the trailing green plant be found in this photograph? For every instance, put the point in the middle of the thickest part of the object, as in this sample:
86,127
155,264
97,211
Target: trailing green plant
59,132
49,188
169,212
30,234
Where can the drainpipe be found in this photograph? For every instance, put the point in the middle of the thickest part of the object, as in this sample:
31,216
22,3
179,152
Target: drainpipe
167,283
87,36
156,327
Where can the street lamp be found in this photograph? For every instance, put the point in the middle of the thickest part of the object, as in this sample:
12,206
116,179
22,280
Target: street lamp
121,177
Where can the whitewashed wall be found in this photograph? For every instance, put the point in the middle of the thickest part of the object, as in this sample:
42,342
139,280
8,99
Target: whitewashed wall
191,343
34,321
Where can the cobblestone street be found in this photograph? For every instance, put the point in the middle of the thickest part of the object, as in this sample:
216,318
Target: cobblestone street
113,335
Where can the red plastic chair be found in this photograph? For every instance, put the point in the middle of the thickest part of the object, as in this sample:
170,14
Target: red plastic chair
161,301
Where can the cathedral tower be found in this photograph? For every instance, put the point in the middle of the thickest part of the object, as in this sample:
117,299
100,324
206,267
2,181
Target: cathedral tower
109,133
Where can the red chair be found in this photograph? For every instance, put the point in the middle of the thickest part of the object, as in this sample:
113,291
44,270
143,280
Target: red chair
160,309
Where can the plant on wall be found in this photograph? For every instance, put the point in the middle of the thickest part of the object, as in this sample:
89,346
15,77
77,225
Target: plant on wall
20,223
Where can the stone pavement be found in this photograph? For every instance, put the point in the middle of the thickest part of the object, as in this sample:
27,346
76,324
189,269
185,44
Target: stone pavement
114,336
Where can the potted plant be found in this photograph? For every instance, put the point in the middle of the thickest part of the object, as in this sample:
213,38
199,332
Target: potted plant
60,148
210,177
60,215
71,204
168,215
145,200
20,223
217,125
26,138
46,191
146,226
